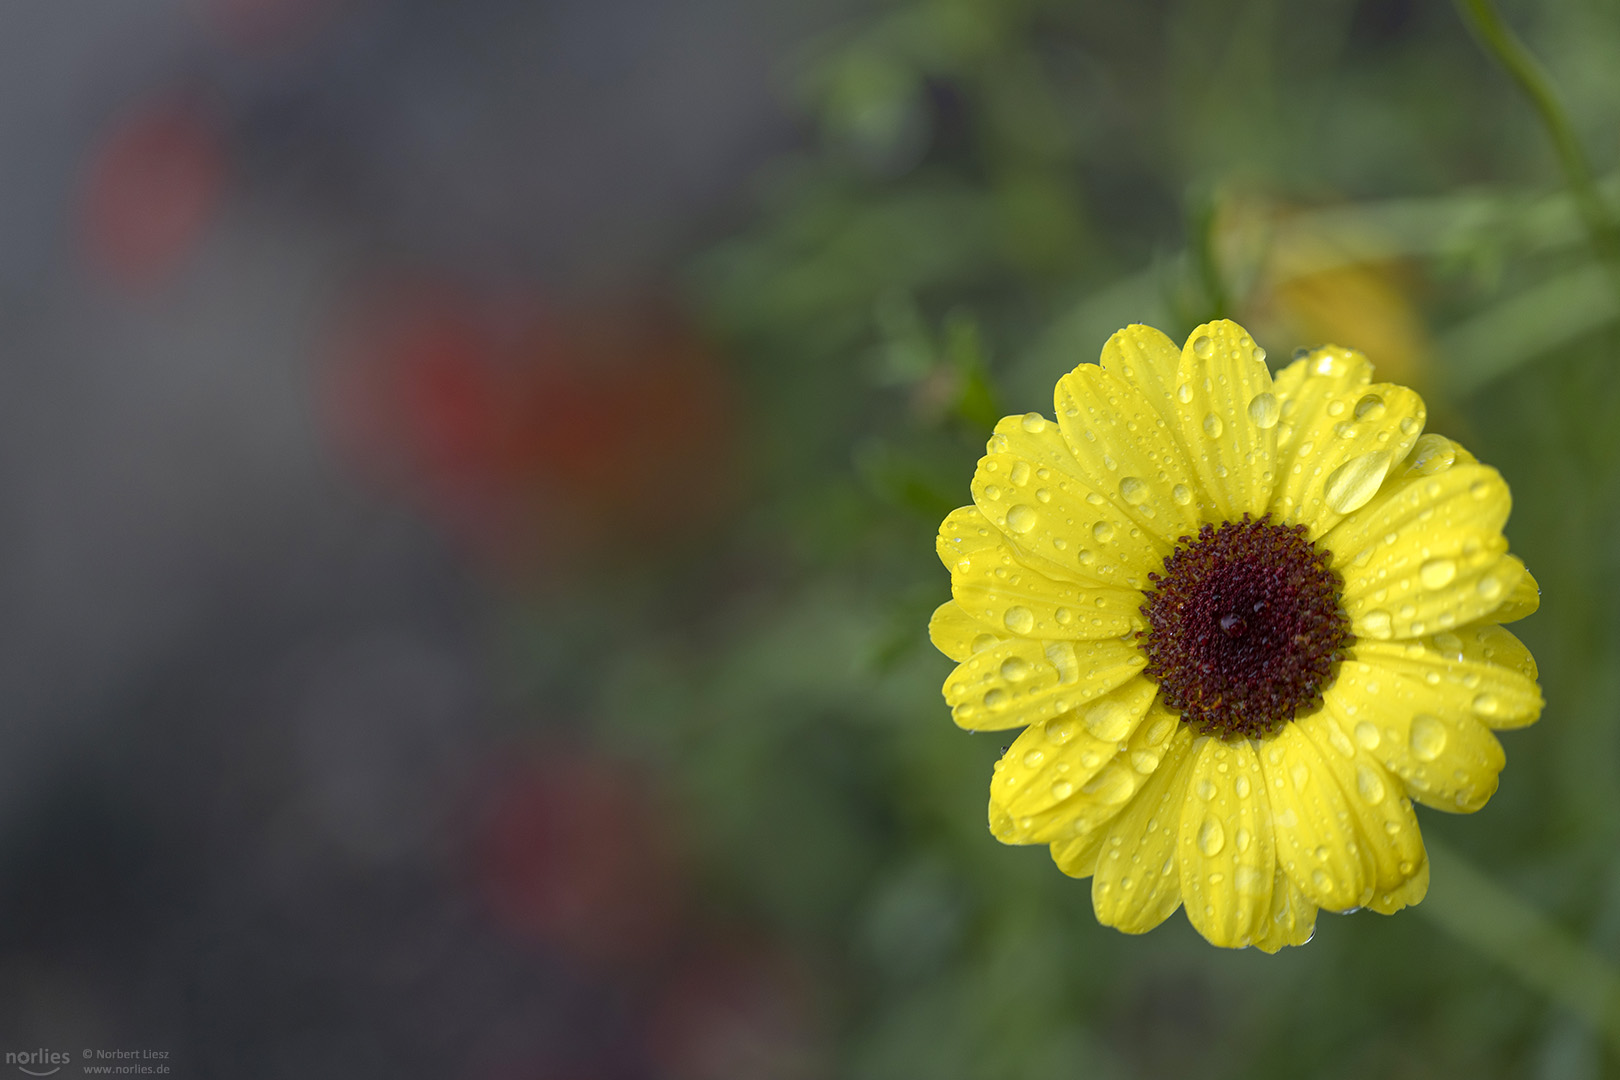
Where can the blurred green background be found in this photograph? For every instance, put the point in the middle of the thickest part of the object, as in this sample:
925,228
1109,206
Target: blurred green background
474,473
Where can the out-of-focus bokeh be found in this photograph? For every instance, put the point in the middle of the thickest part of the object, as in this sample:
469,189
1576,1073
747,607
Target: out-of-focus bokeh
471,473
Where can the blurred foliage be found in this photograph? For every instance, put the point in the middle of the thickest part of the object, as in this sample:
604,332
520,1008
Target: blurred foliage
989,189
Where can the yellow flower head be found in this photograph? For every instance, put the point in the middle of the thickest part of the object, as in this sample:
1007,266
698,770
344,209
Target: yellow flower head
1243,622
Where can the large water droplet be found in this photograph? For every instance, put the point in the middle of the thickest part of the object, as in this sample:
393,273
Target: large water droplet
1184,393
1181,494
1428,737
1203,346
1369,783
1264,410
1205,790
1021,518
1111,786
1019,473
1487,704
994,698
1033,759
1034,423
1211,837
1353,484
1370,407
1213,426
1377,624
1062,789
1489,587
1109,720
1014,668
1133,490
1437,573
1103,531
1020,620
1367,735
1433,454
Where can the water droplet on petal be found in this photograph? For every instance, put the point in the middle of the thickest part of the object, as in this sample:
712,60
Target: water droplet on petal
1376,624
1428,737
1353,484
1370,407
995,697
1203,346
1213,426
1211,837
1020,620
1367,735
1021,518
1433,454
1034,423
1062,789
1370,784
1486,704
1264,410
1019,473
1103,531
1181,494
1133,490
1033,759
1437,573
1014,668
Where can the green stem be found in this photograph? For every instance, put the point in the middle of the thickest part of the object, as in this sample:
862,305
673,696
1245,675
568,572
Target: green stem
1502,45
1503,927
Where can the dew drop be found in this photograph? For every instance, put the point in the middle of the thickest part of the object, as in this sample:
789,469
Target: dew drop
1428,737
1211,837
1353,484
1367,735
1377,624
1489,587
1213,426
1014,668
1205,790
1021,518
1181,494
1486,704
1020,620
1184,393
1034,423
1109,720
1103,531
1019,473
1133,490
1264,410
1241,786
1433,454
1063,616
992,492
1321,880
1203,346
1061,730
1437,573
1111,786
1062,789
994,698
985,641
1370,784
1033,759
1370,407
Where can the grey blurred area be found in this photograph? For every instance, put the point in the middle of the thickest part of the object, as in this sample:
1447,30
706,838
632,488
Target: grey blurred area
249,698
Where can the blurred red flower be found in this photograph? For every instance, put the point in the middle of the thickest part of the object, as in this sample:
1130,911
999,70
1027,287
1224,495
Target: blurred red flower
536,433
735,1008
153,184
576,852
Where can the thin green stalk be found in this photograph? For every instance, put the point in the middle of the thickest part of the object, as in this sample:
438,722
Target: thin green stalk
1498,924
1506,49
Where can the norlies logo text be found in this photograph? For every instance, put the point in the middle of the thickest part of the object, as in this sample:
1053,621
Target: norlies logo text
38,1062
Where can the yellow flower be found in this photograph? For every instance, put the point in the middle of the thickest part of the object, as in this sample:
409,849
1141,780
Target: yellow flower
1244,622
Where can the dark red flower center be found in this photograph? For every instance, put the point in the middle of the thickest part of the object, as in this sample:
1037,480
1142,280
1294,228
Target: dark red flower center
1245,627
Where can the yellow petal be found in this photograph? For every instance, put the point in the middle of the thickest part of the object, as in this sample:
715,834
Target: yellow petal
1021,682
1523,600
1340,438
1228,415
1052,761
1292,918
1426,554
1411,892
1317,842
1076,856
963,532
1047,512
1147,359
1041,781
1385,826
1093,802
994,586
1138,879
1225,844
1426,735
1127,451
1481,663
959,635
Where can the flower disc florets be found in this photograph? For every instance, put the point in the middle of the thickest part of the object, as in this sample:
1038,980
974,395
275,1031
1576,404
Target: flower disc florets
1245,627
